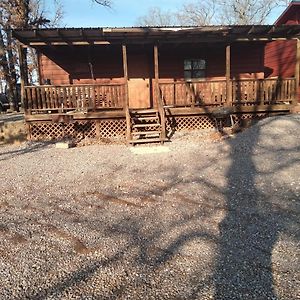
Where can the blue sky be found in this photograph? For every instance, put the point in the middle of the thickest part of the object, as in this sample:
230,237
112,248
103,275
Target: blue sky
84,13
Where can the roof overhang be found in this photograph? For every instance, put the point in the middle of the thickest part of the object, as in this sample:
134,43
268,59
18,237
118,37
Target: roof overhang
288,12
132,35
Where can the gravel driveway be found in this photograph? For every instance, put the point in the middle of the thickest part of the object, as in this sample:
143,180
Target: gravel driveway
210,219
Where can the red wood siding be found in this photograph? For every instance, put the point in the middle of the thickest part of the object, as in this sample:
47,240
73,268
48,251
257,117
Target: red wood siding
280,59
246,61
65,65
280,56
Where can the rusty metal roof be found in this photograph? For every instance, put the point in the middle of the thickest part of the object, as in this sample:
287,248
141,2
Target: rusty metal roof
110,35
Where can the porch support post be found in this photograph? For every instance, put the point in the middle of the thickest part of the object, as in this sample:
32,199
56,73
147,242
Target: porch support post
156,73
23,74
126,96
228,82
297,70
39,66
157,95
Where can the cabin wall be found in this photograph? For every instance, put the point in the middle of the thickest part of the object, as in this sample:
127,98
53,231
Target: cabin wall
81,64
103,64
246,61
66,65
280,59
280,56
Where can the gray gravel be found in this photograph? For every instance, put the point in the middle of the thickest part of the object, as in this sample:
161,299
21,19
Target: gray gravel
211,219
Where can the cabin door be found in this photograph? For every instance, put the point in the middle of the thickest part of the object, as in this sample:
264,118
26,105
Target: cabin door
139,80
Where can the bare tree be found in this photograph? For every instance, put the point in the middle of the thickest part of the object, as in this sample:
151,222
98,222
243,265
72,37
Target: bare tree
245,12
107,3
156,17
197,13
208,12
19,14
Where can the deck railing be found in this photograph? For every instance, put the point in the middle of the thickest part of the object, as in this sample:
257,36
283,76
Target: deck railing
93,97
263,91
180,93
65,98
213,93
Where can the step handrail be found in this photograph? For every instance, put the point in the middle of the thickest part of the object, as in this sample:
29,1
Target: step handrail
162,114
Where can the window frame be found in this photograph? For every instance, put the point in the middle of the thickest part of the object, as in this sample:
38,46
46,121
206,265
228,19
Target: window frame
193,70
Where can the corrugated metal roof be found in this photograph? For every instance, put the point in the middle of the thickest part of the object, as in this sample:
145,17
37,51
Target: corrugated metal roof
155,34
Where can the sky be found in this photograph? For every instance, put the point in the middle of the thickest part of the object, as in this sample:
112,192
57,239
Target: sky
85,13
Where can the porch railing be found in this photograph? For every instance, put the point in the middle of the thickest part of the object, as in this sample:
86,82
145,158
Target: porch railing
180,93
213,93
73,97
263,91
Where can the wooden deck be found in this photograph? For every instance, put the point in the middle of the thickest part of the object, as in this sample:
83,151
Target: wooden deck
95,110
108,100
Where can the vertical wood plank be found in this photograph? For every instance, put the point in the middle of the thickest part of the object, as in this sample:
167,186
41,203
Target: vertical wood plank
156,73
23,76
158,99
125,70
38,54
28,99
297,70
93,97
126,99
228,89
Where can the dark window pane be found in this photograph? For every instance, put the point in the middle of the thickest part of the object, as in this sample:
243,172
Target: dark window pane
199,64
187,64
187,74
198,74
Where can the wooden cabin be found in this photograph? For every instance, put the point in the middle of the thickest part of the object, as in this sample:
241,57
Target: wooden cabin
142,84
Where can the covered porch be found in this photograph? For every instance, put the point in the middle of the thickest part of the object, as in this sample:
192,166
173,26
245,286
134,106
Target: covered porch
130,70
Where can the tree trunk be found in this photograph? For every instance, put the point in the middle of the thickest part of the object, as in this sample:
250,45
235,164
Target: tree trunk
12,69
7,75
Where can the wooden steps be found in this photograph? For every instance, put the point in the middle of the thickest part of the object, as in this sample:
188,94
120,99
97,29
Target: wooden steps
145,126
143,111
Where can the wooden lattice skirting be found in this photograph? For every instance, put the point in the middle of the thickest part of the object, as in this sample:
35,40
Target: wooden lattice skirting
116,128
77,130
178,123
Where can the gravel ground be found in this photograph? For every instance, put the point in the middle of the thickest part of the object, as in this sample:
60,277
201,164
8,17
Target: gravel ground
210,219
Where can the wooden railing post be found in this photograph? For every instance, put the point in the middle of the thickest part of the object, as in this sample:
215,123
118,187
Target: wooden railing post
297,70
157,95
23,77
126,98
156,74
228,81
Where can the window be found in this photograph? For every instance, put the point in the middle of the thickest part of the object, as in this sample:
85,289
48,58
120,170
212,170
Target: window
194,68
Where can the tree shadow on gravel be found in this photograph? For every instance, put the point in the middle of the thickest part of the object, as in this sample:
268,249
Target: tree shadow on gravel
243,264
247,235
28,148
251,227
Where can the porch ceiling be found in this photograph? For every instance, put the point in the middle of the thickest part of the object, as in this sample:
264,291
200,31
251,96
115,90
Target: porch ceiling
203,34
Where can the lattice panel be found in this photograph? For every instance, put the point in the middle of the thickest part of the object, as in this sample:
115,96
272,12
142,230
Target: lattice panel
77,130
112,128
56,131
240,118
46,131
189,123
